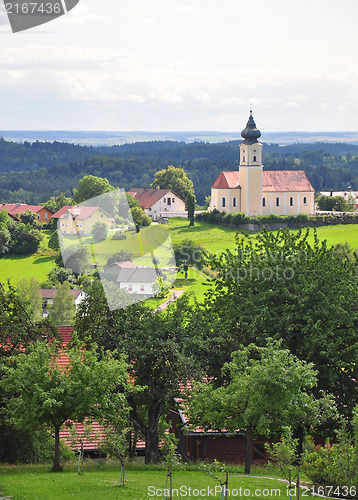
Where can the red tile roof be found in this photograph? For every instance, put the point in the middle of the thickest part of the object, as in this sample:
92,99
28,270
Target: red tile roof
18,208
62,210
79,212
147,197
285,180
227,180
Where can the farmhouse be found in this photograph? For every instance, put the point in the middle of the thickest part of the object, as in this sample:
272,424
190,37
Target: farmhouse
42,213
48,294
253,191
132,278
80,219
159,202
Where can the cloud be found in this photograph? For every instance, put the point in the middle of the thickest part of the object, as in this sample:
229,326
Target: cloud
190,10
81,14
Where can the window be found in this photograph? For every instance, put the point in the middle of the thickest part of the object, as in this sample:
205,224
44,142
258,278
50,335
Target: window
130,288
165,200
264,202
234,202
291,201
305,200
255,158
223,201
169,201
214,202
277,201
63,225
46,216
150,209
173,200
38,216
102,216
142,288
243,159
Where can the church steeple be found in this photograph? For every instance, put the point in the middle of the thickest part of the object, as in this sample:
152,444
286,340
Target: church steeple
250,133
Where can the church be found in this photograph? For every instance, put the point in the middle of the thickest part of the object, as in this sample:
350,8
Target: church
254,191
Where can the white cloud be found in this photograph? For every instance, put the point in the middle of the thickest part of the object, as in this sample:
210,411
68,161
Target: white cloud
190,10
81,14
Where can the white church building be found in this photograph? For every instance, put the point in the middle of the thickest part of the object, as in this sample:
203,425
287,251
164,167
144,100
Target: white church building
254,191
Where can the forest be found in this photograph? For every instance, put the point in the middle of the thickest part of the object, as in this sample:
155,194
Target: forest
33,172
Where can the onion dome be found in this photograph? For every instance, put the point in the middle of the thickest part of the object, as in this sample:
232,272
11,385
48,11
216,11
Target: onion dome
250,132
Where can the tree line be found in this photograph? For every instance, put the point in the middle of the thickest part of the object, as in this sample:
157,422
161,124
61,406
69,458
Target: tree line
32,172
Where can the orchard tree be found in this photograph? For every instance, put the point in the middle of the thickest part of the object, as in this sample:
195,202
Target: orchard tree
159,349
29,294
174,179
46,393
99,231
188,253
266,388
289,286
89,187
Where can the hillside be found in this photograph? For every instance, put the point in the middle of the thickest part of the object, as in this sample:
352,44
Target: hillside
33,172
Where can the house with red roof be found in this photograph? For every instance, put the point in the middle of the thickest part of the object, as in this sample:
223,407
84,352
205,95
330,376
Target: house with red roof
254,191
43,214
159,202
80,219
48,295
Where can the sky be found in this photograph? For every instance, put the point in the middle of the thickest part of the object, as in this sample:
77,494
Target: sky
177,65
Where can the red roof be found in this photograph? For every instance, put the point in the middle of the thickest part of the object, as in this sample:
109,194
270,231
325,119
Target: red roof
18,208
126,264
62,210
227,180
285,180
147,197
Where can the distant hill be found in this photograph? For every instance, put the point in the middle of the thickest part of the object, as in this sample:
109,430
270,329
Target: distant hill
32,172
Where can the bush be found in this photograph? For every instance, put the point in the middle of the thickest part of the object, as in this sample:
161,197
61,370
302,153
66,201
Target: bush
117,235
99,231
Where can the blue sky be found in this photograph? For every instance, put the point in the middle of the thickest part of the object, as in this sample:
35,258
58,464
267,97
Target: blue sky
166,65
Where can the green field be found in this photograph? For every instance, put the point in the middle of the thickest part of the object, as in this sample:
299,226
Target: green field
101,481
151,242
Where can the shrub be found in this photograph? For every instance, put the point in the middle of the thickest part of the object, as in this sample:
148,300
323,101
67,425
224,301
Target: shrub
117,235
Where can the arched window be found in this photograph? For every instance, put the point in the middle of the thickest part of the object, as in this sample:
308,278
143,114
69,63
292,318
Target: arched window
255,158
234,201
291,201
243,158
305,200
277,201
223,201
264,202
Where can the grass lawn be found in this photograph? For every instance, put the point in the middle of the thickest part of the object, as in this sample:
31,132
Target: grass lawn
35,482
15,268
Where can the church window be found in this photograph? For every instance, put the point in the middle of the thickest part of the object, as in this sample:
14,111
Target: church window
223,201
277,201
243,159
255,158
291,201
214,204
305,200
234,201
264,202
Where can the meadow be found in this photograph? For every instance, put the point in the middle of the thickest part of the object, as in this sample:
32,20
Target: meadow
152,242
35,482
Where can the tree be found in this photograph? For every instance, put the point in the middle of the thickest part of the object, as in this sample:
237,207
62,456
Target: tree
59,275
335,204
30,296
159,349
140,218
188,253
62,310
48,393
5,240
25,240
190,206
121,256
74,257
279,284
55,241
89,187
266,388
99,231
28,217
174,179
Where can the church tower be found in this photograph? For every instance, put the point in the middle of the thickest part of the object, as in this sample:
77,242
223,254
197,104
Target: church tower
251,169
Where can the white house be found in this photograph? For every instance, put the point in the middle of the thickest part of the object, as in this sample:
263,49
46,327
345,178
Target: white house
48,294
159,202
254,191
132,278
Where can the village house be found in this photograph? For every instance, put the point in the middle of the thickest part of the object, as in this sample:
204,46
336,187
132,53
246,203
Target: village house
254,191
134,279
349,195
43,214
159,202
80,219
48,294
